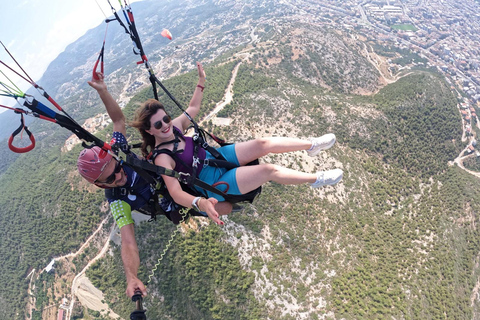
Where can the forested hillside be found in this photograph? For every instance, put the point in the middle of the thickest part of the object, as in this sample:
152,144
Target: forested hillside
397,238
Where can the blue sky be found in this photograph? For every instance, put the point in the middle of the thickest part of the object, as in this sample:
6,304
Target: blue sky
37,31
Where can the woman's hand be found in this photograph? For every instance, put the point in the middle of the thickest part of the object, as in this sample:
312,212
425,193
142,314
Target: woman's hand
98,84
208,206
201,74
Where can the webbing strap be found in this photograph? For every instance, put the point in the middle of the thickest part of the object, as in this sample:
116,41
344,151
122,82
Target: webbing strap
30,135
99,60
142,164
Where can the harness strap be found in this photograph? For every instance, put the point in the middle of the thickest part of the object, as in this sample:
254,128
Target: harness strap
175,142
219,164
154,85
215,138
142,164
147,177
40,108
117,18
199,138
42,111
99,60
19,129
120,191
208,147
172,154
250,196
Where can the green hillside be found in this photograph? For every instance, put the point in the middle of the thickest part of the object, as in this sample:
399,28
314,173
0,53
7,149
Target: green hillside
398,238
46,209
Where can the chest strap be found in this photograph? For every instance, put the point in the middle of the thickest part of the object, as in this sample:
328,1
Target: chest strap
175,142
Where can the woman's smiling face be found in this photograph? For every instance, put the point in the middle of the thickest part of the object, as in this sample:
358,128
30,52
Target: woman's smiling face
160,125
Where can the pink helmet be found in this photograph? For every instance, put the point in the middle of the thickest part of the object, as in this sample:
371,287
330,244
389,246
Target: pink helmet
90,165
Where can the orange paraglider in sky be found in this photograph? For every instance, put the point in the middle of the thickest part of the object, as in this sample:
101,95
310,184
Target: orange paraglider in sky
165,33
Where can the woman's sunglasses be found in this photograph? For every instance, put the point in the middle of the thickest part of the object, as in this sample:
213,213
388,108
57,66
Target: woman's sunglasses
158,125
111,178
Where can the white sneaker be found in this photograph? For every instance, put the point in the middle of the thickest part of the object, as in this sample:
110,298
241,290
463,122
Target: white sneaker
322,143
327,178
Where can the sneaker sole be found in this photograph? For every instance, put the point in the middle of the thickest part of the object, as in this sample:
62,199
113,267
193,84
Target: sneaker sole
330,183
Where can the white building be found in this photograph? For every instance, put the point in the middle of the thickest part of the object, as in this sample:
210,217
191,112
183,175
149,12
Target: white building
50,266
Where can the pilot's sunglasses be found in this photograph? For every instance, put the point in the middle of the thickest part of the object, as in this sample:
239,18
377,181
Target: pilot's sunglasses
158,125
111,178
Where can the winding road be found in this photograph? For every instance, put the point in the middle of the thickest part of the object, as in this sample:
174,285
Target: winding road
32,275
75,286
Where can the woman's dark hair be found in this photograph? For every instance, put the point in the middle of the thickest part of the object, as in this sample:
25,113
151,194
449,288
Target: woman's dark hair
141,121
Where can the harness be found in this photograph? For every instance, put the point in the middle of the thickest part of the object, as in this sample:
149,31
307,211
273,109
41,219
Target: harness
219,161
160,203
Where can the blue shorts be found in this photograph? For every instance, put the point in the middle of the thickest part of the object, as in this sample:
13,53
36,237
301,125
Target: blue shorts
226,179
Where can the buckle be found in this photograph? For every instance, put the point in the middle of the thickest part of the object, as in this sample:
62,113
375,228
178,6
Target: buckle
123,191
41,90
196,162
184,177
28,99
125,147
206,162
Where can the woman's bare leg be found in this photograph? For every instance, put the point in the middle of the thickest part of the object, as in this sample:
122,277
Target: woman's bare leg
253,149
252,177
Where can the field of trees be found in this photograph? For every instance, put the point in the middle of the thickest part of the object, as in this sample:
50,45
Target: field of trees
397,238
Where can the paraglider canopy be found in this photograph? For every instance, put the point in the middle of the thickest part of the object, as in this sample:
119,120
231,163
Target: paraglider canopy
165,33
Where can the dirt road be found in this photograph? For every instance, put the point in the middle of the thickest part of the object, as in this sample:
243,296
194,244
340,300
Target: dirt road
227,98
83,289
